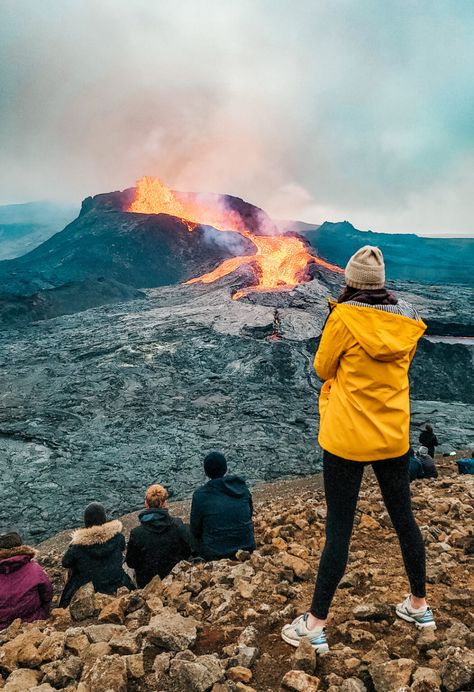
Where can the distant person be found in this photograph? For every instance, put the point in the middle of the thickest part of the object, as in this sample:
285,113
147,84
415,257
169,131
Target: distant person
95,555
415,467
25,589
221,512
466,466
160,542
428,467
364,355
428,439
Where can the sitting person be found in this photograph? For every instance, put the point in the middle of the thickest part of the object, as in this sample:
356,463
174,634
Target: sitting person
466,466
415,467
95,555
428,439
221,512
428,466
25,589
160,542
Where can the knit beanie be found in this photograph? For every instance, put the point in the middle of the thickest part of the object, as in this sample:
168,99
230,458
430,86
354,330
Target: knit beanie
94,515
215,465
423,450
10,540
366,268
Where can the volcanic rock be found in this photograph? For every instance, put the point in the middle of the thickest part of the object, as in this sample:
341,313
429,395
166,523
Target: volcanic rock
198,675
22,679
297,681
457,672
171,631
83,603
392,675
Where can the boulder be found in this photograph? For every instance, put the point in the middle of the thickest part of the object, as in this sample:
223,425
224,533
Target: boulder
353,685
457,672
76,640
22,679
304,657
298,681
103,633
52,647
171,631
61,673
300,567
391,675
135,666
113,612
108,674
426,680
239,674
21,652
83,604
374,612
198,675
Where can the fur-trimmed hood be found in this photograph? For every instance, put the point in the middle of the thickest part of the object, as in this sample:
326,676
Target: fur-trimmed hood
6,553
96,535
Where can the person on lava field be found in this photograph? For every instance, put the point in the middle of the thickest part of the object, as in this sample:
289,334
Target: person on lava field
364,355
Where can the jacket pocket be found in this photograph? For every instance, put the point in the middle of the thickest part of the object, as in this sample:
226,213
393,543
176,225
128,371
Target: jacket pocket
324,399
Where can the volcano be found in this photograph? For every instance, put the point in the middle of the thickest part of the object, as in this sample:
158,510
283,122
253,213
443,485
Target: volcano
150,236
280,260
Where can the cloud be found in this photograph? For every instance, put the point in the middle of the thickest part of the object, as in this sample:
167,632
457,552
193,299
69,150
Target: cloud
358,109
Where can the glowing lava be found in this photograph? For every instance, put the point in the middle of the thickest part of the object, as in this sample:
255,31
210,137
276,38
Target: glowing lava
280,262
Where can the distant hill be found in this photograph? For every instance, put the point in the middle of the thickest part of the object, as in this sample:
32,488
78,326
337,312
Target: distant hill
16,310
407,256
25,226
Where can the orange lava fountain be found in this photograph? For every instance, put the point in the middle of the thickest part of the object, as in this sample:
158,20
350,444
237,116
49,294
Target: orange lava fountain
280,261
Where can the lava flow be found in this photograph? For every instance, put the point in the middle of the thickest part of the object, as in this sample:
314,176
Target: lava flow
280,262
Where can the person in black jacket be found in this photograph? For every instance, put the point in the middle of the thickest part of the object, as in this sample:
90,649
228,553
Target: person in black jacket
95,555
428,439
428,468
221,512
160,542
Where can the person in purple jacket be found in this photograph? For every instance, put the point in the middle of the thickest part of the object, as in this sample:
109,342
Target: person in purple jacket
25,589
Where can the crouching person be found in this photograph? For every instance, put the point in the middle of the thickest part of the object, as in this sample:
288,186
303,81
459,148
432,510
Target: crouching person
25,590
95,555
160,542
221,512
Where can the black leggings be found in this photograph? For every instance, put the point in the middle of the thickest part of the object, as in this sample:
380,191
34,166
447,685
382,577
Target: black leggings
342,479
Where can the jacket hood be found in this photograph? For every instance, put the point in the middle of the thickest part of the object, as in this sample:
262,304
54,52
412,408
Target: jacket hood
384,335
12,559
156,519
96,535
234,486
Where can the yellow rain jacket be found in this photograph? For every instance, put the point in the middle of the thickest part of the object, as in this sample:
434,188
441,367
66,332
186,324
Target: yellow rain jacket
364,356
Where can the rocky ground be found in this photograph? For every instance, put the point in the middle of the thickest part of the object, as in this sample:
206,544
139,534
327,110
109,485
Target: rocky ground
217,626
98,405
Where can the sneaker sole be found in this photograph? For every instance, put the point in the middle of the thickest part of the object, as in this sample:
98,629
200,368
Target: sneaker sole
418,625
320,649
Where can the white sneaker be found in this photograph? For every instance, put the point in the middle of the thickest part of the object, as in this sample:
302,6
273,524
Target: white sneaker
422,617
298,630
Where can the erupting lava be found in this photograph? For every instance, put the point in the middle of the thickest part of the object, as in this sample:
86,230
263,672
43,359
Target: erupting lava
279,262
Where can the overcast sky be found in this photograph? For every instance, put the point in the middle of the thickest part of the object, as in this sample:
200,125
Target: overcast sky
313,109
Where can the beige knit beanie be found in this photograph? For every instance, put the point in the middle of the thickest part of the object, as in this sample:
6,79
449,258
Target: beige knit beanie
366,268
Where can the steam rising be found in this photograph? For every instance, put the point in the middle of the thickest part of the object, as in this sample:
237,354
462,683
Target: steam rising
358,110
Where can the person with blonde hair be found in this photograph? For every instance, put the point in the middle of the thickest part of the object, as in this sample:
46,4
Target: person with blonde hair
364,355
160,542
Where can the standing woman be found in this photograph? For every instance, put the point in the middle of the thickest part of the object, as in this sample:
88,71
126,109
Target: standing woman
364,355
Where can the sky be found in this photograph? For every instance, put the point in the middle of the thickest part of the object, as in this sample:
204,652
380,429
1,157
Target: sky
312,109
